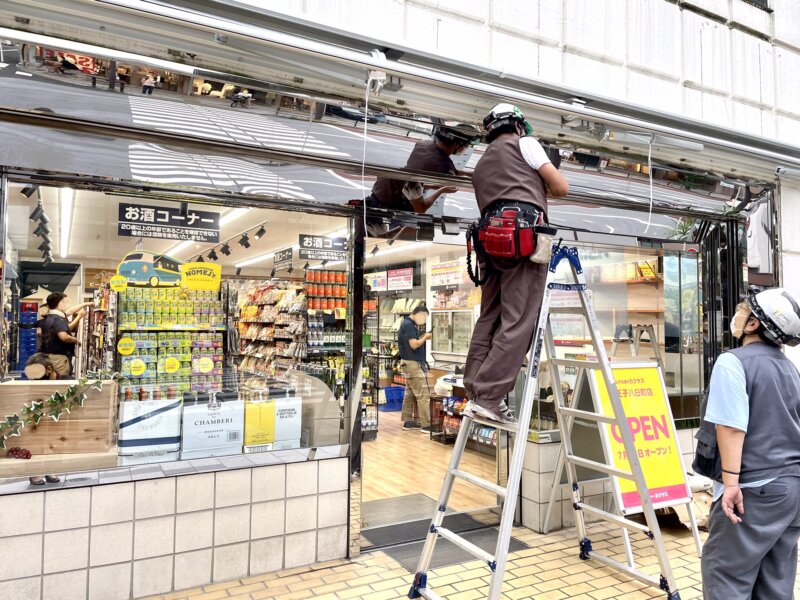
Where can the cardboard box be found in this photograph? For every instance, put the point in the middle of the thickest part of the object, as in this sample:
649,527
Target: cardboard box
272,424
146,458
212,430
149,426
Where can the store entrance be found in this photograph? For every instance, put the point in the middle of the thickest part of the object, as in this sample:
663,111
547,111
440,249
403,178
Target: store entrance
420,287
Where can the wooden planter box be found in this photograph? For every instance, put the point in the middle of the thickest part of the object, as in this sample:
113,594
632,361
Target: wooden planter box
81,440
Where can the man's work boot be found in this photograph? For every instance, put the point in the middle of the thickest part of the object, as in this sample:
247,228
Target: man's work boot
409,425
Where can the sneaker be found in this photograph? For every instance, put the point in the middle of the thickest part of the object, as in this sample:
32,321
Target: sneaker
426,429
504,410
473,410
409,425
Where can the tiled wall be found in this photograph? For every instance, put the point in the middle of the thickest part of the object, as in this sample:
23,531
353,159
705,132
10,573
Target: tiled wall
537,481
141,538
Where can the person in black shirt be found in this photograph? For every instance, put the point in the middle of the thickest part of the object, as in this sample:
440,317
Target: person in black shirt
57,342
428,155
414,365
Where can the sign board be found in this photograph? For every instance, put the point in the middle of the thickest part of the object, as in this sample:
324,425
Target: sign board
272,424
320,247
283,259
87,64
201,276
647,410
400,279
376,281
448,274
167,223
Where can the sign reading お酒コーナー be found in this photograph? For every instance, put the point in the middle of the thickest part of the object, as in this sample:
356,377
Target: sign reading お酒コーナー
649,417
167,223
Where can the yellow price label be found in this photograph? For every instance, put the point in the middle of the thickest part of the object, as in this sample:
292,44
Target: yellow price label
205,365
138,367
118,283
340,313
171,365
126,346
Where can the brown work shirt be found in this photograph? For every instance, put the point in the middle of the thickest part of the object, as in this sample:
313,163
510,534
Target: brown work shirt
426,156
502,173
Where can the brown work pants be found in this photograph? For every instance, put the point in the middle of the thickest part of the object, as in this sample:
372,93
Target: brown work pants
510,303
417,392
61,363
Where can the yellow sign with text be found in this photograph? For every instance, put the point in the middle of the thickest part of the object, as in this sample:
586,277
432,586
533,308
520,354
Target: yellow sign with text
126,346
205,365
138,367
649,416
171,365
118,283
259,423
201,276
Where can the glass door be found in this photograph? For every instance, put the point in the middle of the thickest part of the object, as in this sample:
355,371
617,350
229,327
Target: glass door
441,342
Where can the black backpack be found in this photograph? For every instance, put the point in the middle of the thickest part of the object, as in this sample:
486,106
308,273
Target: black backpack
707,461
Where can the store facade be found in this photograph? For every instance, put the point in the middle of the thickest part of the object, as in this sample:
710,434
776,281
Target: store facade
233,512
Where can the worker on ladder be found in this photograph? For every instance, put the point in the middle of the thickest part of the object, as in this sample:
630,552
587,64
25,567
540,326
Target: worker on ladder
512,181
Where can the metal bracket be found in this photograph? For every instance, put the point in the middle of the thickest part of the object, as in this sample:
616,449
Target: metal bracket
492,565
650,535
664,585
575,506
433,528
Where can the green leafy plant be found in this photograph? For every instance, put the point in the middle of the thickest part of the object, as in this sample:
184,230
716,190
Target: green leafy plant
56,406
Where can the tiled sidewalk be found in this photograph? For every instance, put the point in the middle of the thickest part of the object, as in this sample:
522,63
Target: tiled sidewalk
549,570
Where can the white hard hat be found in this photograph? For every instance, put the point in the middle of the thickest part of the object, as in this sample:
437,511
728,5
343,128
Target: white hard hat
779,312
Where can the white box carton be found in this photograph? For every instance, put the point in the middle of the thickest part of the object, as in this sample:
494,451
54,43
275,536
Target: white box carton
149,426
212,429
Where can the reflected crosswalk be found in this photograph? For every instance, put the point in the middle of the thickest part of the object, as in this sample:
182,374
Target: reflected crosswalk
156,164
228,125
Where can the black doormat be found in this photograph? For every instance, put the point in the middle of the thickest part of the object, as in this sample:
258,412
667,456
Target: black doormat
414,531
446,553
390,511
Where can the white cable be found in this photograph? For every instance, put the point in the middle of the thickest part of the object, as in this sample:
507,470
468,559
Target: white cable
650,175
364,158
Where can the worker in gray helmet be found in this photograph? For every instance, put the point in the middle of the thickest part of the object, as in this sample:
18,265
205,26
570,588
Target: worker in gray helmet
514,176
754,401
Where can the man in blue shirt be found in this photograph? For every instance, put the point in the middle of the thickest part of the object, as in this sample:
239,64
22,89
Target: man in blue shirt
414,365
754,401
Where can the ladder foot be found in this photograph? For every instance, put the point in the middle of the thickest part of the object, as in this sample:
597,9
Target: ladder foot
674,596
586,548
665,586
420,581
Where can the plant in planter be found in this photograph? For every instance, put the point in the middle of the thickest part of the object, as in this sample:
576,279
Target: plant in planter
58,404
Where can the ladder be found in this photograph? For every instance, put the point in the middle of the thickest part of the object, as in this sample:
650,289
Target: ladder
496,562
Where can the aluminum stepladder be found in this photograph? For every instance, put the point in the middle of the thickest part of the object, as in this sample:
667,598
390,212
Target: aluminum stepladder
497,562
566,418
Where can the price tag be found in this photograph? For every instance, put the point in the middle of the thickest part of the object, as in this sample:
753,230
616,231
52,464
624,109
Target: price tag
171,365
340,313
205,365
118,283
126,346
138,367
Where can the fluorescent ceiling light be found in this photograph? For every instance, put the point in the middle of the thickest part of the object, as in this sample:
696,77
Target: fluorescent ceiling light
254,260
395,249
180,247
232,215
66,201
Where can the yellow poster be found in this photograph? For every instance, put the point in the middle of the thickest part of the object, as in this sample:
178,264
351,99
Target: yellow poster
649,416
259,423
201,276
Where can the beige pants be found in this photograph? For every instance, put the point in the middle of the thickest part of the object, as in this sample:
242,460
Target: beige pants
417,392
61,363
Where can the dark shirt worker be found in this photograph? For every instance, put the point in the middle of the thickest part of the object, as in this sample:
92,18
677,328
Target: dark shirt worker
414,366
57,341
428,155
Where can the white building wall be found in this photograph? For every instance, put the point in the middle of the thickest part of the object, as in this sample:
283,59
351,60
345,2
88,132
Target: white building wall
724,61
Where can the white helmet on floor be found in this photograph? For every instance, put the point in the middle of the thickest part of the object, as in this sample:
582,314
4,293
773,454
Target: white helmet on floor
779,312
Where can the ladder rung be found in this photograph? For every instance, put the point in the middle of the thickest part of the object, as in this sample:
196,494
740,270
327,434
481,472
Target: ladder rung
582,414
635,573
512,427
567,310
465,545
611,518
475,480
600,467
580,364
429,594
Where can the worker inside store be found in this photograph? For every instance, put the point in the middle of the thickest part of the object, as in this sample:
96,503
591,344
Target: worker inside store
412,339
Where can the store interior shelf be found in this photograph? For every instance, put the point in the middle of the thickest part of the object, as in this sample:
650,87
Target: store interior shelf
172,328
